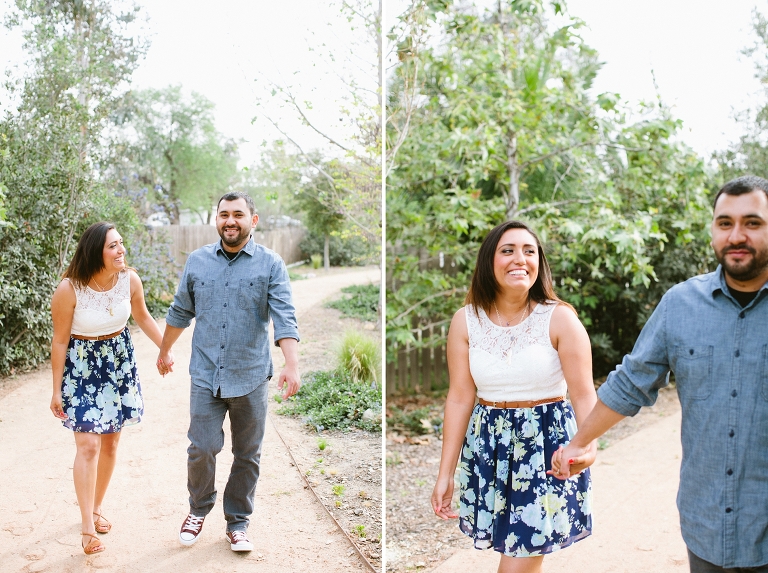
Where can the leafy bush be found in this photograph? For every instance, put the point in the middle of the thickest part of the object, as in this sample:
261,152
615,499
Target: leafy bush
344,252
417,422
359,356
363,302
332,400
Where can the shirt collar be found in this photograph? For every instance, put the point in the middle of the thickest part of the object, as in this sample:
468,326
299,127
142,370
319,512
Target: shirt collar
249,248
717,283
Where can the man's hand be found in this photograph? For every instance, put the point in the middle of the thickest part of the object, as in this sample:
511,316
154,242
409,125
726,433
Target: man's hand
289,378
571,460
165,362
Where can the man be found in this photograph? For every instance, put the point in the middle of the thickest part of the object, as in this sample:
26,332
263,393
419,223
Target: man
712,332
232,288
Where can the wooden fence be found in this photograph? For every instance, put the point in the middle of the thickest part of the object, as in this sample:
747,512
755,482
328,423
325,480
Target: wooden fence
186,238
419,368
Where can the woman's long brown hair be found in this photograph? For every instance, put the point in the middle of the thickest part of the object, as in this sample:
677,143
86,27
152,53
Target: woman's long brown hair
484,287
89,254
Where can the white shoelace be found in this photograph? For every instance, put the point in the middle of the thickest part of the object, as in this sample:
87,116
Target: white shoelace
238,536
193,523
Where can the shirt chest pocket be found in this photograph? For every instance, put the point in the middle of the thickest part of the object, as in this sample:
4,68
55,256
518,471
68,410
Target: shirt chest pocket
252,295
204,294
693,371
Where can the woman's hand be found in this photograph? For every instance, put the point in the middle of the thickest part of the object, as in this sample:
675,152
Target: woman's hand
570,460
442,496
56,406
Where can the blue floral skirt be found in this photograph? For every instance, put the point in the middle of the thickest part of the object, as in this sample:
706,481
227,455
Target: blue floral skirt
100,391
507,501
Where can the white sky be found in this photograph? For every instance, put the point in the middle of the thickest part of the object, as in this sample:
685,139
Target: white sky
692,46
219,48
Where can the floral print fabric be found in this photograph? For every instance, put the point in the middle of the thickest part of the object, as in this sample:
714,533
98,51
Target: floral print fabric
100,390
507,501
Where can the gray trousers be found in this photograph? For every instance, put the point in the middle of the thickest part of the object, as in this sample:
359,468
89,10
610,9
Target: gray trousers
247,419
698,565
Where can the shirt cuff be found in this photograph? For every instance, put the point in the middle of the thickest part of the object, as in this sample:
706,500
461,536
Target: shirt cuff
617,400
286,334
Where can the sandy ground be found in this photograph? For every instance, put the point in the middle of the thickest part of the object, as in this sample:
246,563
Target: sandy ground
147,500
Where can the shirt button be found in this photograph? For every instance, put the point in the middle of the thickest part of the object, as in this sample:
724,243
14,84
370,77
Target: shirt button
226,284
221,368
729,472
741,314
728,510
225,305
223,326
736,354
222,346
731,433
734,393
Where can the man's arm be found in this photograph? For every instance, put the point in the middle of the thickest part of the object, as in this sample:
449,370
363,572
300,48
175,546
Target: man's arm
635,383
289,376
578,452
165,358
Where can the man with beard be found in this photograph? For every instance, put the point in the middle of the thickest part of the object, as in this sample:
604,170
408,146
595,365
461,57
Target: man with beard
231,288
712,333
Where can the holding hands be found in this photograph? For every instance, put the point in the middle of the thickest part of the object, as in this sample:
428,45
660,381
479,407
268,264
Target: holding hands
571,460
165,363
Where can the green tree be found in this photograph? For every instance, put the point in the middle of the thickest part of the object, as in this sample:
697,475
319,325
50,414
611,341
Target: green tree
82,55
169,144
750,153
492,119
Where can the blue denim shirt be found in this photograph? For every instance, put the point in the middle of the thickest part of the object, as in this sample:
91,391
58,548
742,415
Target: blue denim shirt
719,355
232,302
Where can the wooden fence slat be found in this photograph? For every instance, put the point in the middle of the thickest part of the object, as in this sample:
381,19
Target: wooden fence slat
421,368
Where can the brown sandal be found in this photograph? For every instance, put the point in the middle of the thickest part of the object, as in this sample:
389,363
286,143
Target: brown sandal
101,524
94,545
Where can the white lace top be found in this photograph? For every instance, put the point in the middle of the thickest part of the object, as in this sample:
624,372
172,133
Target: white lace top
92,311
514,362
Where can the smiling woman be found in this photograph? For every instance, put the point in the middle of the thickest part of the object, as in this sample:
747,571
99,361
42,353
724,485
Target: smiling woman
96,389
518,349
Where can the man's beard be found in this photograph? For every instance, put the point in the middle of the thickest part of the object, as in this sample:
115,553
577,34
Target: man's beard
745,271
242,235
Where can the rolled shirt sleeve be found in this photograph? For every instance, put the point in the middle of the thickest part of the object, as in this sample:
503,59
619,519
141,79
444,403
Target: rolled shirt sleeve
636,381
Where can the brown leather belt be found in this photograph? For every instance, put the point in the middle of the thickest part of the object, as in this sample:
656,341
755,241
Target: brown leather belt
102,337
521,404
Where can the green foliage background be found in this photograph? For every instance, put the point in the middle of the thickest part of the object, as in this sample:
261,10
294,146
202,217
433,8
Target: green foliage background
492,118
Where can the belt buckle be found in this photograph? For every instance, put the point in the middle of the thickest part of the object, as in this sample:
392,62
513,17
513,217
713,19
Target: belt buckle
495,404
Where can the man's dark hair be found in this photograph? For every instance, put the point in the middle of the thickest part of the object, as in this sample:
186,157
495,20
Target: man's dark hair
234,196
741,185
89,254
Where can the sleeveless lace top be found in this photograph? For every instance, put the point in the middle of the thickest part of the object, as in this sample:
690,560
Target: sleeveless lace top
98,313
514,362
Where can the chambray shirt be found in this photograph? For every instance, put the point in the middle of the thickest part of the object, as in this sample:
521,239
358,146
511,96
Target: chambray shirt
232,303
718,352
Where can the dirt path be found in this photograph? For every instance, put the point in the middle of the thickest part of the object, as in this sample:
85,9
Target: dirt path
147,500
636,523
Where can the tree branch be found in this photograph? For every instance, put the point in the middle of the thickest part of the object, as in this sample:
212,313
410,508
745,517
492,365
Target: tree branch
427,299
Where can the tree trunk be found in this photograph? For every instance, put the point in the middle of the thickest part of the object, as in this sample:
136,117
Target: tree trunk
513,195
327,253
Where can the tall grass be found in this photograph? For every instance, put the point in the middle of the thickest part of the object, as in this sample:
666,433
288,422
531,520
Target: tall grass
359,355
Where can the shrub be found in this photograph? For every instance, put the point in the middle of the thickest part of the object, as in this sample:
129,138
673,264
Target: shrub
347,252
359,356
363,302
416,422
332,400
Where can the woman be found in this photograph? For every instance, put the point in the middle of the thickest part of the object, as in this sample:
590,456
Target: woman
96,388
518,348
